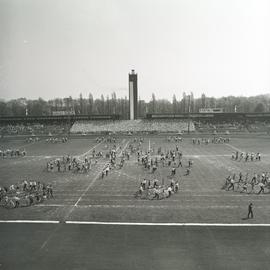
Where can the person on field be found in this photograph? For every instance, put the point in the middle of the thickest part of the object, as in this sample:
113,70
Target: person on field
176,188
169,191
187,172
250,211
231,186
244,187
261,185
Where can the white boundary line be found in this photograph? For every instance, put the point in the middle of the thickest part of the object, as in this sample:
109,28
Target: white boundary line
143,206
139,223
31,221
169,224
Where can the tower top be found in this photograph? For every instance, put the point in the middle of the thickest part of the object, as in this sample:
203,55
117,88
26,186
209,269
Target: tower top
133,72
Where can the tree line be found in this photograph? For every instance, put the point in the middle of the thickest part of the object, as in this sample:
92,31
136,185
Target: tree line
113,105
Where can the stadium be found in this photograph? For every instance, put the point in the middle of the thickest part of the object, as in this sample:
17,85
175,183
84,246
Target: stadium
128,178
106,168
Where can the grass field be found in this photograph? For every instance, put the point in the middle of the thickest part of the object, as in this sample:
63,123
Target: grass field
87,197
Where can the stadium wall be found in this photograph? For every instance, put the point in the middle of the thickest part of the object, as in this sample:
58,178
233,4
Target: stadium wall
53,118
212,116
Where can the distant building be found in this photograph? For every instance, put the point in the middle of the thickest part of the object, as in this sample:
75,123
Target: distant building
133,95
62,111
211,110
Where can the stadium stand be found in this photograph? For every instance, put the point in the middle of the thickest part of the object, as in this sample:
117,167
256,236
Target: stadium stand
219,126
133,126
259,126
34,129
154,123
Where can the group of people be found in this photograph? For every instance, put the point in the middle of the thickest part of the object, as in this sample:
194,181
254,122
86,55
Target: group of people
246,156
109,139
172,158
25,193
153,161
153,190
206,141
32,139
105,171
246,183
69,163
174,139
57,140
11,153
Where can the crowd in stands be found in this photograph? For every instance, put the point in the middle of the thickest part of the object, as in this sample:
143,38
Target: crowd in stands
132,126
140,125
259,126
25,193
33,129
220,127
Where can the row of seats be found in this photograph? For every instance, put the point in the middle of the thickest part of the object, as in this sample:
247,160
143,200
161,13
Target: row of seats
33,129
130,126
258,126
233,126
127,126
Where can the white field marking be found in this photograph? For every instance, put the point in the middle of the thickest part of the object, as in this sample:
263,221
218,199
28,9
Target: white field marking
233,147
169,224
26,145
53,205
131,195
42,156
30,221
144,206
106,205
209,155
88,187
49,237
149,146
122,173
83,154
138,224
198,156
123,148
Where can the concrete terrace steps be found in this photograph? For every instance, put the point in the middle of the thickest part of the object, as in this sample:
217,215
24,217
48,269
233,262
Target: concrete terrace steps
131,126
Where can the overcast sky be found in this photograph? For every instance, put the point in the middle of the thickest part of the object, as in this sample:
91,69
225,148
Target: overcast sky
53,48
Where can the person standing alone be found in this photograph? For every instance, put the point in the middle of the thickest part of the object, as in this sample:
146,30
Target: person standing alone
250,210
